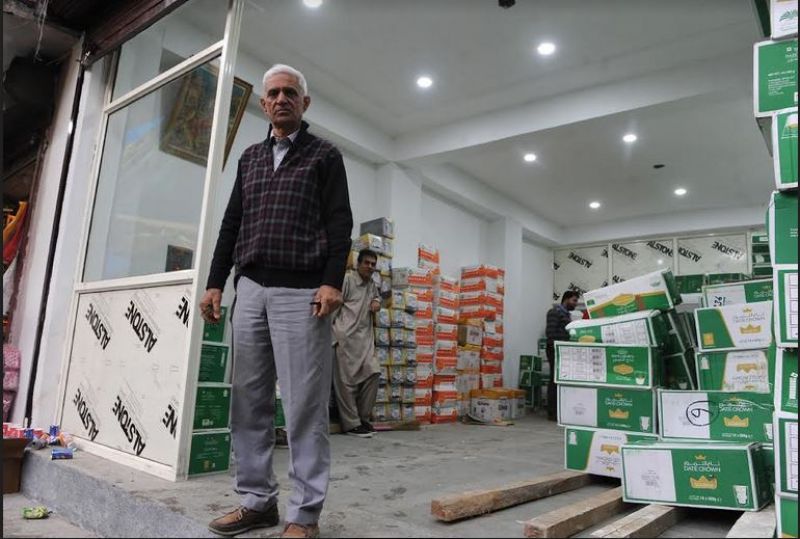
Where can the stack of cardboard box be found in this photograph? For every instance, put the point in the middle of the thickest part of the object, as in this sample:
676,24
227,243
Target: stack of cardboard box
468,366
532,380
775,100
445,362
378,236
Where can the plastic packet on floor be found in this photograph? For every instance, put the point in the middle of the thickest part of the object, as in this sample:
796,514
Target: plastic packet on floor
35,513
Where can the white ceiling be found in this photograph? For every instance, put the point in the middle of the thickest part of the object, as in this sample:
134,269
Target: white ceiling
364,56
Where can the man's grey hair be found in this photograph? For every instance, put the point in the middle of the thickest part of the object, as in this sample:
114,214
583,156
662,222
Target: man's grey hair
288,70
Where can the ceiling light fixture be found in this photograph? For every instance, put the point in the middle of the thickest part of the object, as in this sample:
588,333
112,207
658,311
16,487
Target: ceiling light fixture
594,205
546,48
680,191
313,4
529,157
630,138
424,81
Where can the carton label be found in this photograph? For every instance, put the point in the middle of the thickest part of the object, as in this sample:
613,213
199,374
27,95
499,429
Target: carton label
786,455
697,476
783,17
633,332
786,315
776,76
733,293
212,408
605,365
597,452
784,147
742,417
619,409
734,326
783,228
786,390
740,370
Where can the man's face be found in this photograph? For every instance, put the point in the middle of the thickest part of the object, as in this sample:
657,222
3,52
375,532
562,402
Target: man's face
367,267
283,101
571,303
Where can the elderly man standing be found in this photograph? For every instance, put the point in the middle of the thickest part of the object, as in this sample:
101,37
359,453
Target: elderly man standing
356,371
287,232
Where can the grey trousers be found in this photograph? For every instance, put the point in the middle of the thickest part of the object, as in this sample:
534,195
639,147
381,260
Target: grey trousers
274,333
355,400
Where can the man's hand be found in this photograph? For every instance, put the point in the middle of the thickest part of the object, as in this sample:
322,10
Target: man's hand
375,306
210,305
327,300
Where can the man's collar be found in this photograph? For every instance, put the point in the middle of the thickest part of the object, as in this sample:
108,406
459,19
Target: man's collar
292,138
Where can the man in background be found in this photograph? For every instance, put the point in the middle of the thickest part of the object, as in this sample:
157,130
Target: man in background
557,319
356,371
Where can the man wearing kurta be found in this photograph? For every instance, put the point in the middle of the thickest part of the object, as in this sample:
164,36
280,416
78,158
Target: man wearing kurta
356,371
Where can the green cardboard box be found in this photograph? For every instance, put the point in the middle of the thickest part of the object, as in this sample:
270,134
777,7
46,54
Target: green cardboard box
212,408
782,221
656,290
714,475
737,370
630,410
280,416
786,380
690,284
786,442
775,76
525,363
679,371
597,451
760,239
715,415
210,452
645,328
731,327
786,315
762,271
784,147
786,515
216,332
213,362
722,278
607,365
718,295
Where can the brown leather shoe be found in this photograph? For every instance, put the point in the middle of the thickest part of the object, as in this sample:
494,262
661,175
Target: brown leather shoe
243,519
300,531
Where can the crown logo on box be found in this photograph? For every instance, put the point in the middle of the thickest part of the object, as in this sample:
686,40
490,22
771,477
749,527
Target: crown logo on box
703,483
746,367
619,414
736,422
623,369
750,329
747,310
609,448
700,457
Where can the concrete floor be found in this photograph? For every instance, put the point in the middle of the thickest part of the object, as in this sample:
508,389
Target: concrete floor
383,487
16,526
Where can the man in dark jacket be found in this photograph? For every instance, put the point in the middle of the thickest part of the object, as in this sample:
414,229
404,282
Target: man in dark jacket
557,319
287,232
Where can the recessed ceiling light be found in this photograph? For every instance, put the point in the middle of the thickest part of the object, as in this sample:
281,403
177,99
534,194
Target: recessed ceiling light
424,81
313,4
680,191
529,157
546,48
630,138
594,205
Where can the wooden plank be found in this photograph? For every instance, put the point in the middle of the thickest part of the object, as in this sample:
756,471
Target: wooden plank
575,518
649,521
755,524
479,502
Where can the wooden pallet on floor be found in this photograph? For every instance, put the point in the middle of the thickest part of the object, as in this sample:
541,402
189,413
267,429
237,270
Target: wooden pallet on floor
576,517
649,521
479,502
755,525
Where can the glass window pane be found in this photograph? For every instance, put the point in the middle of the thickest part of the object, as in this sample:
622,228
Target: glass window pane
637,258
149,195
189,29
712,254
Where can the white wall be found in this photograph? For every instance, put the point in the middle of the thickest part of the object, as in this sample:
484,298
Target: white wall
537,286
455,231
362,184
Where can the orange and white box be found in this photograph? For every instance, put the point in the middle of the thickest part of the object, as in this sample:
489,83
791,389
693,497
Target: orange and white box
423,413
469,335
492,272
446,316
468,272
424,309
469,359
447,299
444,383
473,284
411,277
424,375
494,340
428,252
471,298
445,414
447,283
423,294
491,367
444,364
447,348
424,338
426,325
466,383
424,351
423,396
495,299
492,353
491,381
433,267
447,332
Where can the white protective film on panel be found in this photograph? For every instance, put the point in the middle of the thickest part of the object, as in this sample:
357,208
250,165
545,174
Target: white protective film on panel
580,268
713,254
636,258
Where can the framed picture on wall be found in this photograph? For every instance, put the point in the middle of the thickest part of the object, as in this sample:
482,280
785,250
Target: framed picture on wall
187,133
